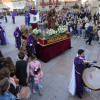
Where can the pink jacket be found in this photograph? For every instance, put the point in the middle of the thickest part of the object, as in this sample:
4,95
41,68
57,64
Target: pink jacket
12,81
33,65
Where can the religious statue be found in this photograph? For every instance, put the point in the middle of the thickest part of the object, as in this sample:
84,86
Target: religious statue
51,19
33,16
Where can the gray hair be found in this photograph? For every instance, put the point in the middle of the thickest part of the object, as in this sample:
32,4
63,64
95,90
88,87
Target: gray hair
4,84
25,93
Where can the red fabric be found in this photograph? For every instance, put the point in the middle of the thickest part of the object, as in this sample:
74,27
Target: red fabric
35,24
32,11
49,52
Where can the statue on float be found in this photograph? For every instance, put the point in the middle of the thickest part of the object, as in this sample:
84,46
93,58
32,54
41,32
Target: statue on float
33,16
51,18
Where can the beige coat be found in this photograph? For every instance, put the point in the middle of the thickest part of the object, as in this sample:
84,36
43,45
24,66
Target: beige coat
99,33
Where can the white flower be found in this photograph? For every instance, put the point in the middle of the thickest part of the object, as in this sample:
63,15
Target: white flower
51,32
36,31
61,29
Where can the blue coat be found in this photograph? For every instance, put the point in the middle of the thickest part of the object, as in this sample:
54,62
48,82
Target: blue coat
7,96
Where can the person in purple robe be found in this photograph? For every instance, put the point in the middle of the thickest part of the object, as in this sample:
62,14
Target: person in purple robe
13,17
2,38
79,63
30,41
17,35
26,19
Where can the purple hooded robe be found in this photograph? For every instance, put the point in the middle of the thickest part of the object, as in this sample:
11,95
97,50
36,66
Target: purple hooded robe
79,68
30,41
13,17
17,35
2,38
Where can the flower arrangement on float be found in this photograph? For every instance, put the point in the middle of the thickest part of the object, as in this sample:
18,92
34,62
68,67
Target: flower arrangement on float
61,29
37,32
25,29
51,33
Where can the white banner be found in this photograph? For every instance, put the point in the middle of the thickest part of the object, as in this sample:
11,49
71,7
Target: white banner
34,18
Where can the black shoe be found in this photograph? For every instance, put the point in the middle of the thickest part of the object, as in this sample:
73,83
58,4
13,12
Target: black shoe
90,44
80,96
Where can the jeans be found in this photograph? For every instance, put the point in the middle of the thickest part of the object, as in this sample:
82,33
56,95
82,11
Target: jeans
33,84
74,32
79,32
93,36
38,86
86,34
83,32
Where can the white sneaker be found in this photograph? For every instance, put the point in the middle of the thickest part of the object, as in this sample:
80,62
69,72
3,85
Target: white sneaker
41,86
33,91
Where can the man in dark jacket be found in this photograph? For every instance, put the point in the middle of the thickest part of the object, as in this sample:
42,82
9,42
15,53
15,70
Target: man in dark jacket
90,32
22,70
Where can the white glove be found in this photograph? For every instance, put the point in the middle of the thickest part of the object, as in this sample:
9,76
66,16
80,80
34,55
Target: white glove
31,44
17,36
38,42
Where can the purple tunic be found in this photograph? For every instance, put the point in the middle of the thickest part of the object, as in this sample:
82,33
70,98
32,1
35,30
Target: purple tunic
30,41
2,38
17,35
79,67
13,17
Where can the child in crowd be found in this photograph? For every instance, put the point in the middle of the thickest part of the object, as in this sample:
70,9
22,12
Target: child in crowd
38,74
27,47
22,49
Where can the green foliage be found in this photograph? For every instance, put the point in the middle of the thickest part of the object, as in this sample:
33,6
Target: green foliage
75,6
45,25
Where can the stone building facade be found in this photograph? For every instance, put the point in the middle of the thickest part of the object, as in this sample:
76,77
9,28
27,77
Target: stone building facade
48,4
92,5
40,4
14,4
